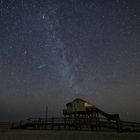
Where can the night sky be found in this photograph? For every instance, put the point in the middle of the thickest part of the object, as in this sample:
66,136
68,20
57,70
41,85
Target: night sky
53,51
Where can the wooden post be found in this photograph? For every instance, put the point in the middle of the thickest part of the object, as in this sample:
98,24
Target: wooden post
46,116
65,122
92,121
70,121
52,122
96,120
46,113
119,127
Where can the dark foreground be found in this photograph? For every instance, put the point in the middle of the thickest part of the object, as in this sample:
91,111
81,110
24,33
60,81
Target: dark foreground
23,134
8,134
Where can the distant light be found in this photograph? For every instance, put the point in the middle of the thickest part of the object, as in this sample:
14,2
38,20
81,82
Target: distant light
137,85
25,52
103,16
42,66
43,17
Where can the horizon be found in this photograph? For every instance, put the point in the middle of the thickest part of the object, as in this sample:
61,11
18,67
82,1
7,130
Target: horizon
51,114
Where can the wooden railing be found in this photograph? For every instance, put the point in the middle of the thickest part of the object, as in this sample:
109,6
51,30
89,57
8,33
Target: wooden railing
100,124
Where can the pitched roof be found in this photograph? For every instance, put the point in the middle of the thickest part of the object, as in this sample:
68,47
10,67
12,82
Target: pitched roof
78,99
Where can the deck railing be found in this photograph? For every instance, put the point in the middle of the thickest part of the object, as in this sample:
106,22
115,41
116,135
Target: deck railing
63,123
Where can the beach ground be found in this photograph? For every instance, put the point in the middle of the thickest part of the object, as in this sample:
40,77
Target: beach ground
8,134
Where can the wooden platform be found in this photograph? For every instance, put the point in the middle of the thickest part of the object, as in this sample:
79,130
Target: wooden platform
76,124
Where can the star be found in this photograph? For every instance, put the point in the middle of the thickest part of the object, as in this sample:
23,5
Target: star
43,17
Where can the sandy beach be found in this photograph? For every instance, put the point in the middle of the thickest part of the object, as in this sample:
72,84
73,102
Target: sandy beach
8,134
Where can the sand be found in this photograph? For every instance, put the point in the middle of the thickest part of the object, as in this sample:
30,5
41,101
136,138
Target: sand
22,134
7,134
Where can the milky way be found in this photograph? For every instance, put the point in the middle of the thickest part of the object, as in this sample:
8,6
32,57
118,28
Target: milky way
52,51
58,50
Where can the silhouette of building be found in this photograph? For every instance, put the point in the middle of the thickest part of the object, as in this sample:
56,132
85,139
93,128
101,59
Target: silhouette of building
81,113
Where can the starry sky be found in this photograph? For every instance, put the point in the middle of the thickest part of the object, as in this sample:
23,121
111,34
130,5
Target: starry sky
53,51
